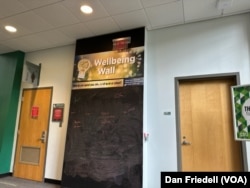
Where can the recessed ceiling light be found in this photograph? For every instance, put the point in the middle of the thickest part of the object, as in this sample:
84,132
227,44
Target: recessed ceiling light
86,9
10,29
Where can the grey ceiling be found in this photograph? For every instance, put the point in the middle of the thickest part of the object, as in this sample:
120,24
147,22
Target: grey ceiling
46,24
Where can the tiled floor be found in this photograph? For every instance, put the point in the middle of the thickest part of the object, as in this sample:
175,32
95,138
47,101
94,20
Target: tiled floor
12,182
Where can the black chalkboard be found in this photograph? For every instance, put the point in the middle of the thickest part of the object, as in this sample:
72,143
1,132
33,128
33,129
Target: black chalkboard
104,138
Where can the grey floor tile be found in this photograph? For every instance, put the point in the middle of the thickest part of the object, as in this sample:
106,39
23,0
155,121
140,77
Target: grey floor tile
12,182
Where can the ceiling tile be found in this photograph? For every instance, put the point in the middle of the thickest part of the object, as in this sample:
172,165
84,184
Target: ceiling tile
76,31
4,35
31,4
195,10
61,18
5,49
22,31
55,38
27,43
74,6
114,7
27,22
7,8
238,6
132,20
103,26
165,15
150,3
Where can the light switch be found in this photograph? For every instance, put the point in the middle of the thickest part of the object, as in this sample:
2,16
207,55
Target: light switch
167,113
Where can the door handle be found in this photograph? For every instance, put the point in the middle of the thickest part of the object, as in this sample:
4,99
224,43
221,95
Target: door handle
43,137
185,142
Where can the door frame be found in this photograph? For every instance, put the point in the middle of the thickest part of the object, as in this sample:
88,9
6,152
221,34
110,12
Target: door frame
234,75
17,128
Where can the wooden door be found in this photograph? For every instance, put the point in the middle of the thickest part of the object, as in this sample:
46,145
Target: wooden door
32,134
206,125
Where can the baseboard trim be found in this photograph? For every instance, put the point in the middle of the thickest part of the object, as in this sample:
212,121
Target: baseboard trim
58,182
5,175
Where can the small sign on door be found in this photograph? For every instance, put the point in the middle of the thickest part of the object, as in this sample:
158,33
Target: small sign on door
34,112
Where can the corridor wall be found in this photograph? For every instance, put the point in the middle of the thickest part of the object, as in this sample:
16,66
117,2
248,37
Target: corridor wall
211,47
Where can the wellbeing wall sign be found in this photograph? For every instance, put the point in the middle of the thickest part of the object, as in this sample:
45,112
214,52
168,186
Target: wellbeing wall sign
109,69
241,111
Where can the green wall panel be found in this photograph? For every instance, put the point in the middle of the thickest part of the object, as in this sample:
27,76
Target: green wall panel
11,67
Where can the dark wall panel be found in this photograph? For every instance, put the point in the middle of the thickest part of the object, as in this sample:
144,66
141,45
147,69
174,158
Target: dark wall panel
104,42
104,135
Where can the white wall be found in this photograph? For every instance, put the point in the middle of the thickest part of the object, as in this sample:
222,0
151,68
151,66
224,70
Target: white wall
57,70
211,47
